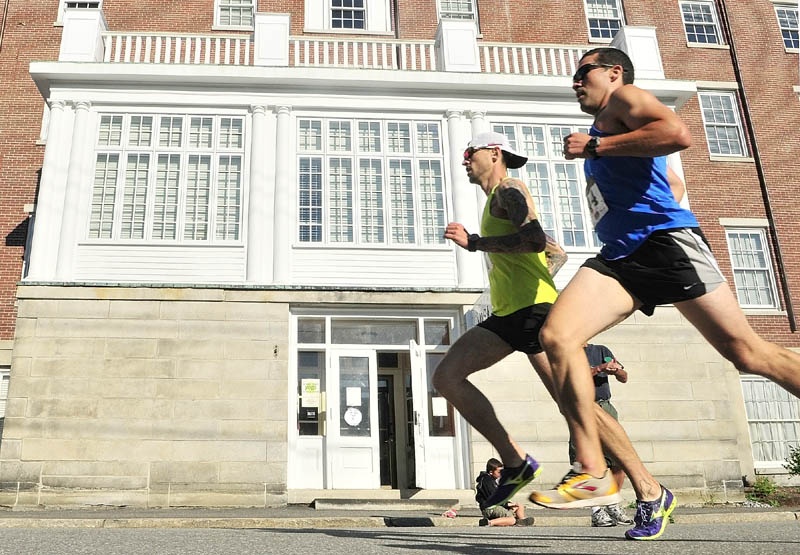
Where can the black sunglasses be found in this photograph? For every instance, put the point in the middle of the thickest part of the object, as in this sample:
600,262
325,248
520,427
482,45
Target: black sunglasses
470,151
580,75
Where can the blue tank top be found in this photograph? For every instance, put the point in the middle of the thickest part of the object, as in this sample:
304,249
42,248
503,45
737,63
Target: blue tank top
629,198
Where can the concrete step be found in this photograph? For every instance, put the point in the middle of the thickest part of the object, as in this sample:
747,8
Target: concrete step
437,505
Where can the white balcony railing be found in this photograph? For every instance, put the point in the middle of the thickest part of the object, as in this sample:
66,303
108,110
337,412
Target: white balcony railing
86,38
366,53
176,48
530,59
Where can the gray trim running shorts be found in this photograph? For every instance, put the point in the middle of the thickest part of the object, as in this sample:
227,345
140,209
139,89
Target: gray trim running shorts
497,512
520,329
672,265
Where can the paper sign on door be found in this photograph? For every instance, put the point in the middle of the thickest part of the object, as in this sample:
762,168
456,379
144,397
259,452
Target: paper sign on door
309,389
353,397
439,406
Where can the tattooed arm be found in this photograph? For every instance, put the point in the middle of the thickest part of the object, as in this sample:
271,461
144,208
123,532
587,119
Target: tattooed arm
513,204
556,257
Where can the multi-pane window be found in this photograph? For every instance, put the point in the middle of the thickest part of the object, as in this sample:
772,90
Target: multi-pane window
556,184
752,270
4,373
81,5
788,23
700,22
457,9
723,125
348,14
168,177
370,182
773,417
605,18
235,13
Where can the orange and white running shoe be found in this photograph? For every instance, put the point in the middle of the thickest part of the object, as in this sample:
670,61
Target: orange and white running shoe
577,490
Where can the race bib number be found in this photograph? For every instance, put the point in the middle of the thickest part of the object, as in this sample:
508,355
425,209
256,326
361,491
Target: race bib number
597,205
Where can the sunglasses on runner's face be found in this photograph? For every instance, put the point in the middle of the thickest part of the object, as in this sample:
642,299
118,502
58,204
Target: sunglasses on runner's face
580,75
470,151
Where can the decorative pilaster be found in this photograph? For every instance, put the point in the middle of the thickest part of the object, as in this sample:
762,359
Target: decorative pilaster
478,124
260,211
470,272
47,217
283,230
71,209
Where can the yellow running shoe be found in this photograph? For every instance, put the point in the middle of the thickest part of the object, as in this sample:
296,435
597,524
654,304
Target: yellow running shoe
577,490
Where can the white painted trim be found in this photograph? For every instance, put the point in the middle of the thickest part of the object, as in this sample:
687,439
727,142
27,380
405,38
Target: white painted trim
600,40
718,85
720,158
59,22
796,89
744,222
763,312
712,46
216,26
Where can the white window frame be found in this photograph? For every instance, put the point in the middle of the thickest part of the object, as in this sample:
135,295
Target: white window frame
364,9
218,4
216,152
620,9
767,269
377,18
62,4
773,420
472,15
737,122
714,23
416,156
553,157
5,373
796,10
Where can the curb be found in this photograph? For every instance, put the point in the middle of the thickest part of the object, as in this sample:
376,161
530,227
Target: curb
357,522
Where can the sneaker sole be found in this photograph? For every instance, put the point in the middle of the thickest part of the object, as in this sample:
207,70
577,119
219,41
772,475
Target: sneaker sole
664,522
515,490
580,503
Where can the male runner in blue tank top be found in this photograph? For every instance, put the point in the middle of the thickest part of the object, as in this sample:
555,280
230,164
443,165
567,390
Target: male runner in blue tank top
654,253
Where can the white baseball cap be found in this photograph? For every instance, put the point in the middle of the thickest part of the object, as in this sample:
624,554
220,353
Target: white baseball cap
490,139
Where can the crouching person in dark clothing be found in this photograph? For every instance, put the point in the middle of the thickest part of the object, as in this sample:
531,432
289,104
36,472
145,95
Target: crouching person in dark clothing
510,514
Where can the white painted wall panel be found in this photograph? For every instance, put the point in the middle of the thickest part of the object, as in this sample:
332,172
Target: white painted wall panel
374,267
161,263
571,267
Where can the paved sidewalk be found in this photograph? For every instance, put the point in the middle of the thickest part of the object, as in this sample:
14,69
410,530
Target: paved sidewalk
295,516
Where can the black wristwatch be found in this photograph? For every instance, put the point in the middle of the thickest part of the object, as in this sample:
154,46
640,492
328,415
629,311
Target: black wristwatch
591,147
472,242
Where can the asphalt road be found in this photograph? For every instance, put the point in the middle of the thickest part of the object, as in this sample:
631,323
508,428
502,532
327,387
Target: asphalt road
727,539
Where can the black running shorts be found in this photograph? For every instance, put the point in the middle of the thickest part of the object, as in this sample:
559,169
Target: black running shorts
672,265
520,329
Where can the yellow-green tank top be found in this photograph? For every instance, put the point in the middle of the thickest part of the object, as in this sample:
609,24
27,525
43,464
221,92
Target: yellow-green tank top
516,280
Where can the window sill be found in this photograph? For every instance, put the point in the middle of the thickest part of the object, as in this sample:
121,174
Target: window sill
347,32
723,158
375,246
58,24
763,312
792,50
600,40
762,468
155,243
708,45
41,142
232,28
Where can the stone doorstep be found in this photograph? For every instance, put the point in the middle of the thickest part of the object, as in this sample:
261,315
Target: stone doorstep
386,504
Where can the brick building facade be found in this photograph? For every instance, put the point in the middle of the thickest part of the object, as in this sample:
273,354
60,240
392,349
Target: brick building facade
117,343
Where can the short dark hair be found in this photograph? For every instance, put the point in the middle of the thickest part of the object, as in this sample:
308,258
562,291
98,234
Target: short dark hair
493,464
614,56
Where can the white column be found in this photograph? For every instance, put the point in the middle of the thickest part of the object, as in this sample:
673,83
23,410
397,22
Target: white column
71,209
479,125
283,230
470,270
50,198
259,212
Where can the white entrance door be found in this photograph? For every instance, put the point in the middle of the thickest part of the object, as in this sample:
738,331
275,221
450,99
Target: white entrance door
434,425
351,446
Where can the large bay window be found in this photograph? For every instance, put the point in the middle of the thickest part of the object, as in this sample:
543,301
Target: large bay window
557,185
170,177
373,182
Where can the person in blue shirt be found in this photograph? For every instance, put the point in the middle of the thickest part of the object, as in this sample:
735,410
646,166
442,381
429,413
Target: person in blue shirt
654,253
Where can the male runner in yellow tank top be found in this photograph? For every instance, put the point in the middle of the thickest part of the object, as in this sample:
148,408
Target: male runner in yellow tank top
524,259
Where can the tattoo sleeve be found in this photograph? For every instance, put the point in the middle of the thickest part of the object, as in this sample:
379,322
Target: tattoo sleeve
556,257
529,238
